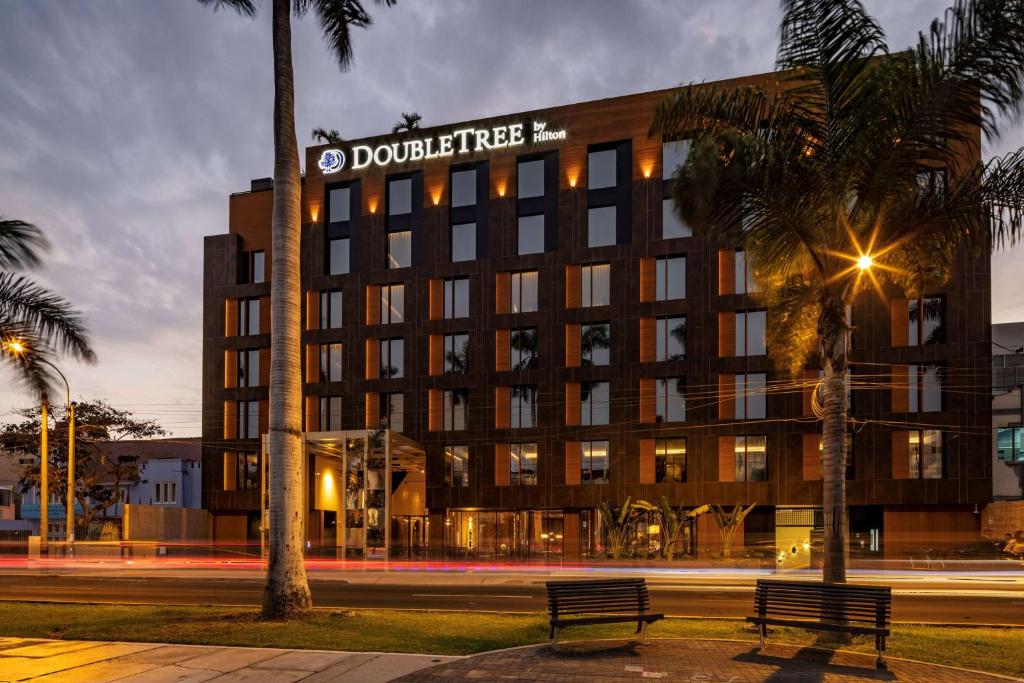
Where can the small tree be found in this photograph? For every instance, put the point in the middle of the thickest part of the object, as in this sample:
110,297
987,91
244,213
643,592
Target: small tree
99,476
617,523
675,525
410,121
331,137
729,523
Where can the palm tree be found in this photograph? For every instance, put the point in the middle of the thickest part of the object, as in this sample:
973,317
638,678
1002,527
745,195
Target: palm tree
407,123
822,171
35,324
287,590
330,137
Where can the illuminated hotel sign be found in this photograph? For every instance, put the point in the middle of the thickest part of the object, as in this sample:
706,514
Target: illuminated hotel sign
462,141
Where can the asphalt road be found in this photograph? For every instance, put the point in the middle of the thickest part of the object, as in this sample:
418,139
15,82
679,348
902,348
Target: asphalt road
909,604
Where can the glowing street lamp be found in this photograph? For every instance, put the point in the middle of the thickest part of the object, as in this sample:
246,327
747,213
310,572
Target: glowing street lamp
865,262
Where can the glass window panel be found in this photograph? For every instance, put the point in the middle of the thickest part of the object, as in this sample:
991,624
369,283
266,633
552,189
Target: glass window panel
339,204
258,266
931,454
392,303
394,404
334,308
456,353
456,298
528,463
671,224
756,321
400,249
673,154
464,188
595,343
253,420
400,197
601,226
331,362
330,413
595,403
524,291
392,358
338,256
456,465
757,458
601,169
523,407
531,234
463,242
531,179
596,285
523,349
931,320
670,278
756,399
595,462
671,400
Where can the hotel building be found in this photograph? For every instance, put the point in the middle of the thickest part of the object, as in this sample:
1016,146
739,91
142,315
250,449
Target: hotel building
505,324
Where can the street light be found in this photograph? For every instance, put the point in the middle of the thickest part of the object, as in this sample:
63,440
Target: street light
17,348
865,262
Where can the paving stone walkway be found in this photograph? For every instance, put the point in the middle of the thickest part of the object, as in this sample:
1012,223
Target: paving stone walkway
78,661
676,660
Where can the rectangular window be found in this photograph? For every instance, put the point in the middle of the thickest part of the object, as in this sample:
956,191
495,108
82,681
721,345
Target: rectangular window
671,400
671,225
524,291
392,358
531,179
531,234
247,475
595,343
248,419
400,249
925,320
331,362
594,464
165,492
669,460
673,155
924,390
456,298
523,405
249,368
601,226
594,403
456,466
456,353
248,317
671,342
464,188
257,266
392,411
1010,444
670,278
455,408
338,205
750,333
523,349
596,284
330,413
752,458
601,169
392,304
399,197
330,309
338,258
523,464
463,242
926,454
751,403
744,278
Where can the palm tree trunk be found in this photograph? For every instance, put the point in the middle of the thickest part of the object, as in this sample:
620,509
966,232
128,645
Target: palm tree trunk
834,334
287,590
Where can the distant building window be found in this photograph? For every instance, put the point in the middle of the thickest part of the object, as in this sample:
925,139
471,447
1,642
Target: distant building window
455,405
248,317
596,284
338,258
671,399
750,333
671,342
523,464
463,242
392,358
524,291
601,226
1010,444
926,454
392,304
399,197
523,406
594,463
523,349
165,492
400,249
671,225
330,413
670,278
531,179
601,169
595,343
331,362
925,320
751,458
339,205
464,188
531,234
249,368
673,155
456,466
594,403
456,354
456,297
330,309
750,396
670,460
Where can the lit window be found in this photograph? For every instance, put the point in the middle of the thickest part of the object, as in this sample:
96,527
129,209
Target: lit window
531,234
670,278
926,454
594,463
456,297
596,285
669,460
392,304
601,169
338,262
750,333
330,413
595,343
750,398
400,249
671,342
524,291
531,179
671,399
751,458
463,242
330,309
464,188
523,463
399,197
601,226
331,362
456,466
594,403
392,358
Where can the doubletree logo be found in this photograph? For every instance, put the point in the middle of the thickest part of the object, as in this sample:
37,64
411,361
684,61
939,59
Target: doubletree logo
331,160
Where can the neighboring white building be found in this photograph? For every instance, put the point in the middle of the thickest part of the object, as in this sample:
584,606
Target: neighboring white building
1008,411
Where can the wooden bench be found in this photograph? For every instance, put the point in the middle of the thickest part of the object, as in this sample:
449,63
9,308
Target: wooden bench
605,601
819,606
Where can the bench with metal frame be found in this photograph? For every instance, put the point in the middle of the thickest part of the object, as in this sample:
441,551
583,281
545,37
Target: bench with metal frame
604,601
820,606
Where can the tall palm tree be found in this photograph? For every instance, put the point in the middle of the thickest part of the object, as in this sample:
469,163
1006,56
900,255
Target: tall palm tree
822,172
407,123
287,590
330,137
35,324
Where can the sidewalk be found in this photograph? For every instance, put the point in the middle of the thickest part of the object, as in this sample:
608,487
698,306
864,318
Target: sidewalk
76,661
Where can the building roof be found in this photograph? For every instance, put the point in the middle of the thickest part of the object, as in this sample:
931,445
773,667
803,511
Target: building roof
151,449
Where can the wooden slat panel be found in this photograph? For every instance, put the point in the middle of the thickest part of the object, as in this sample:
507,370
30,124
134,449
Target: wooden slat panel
648,340
312,362
501,464
572,346
900,388
230,317
573,462
646,461
901,455
230,471
372,415
264,420
230,369
573,286
726,396
812,457
264,377
648,400
726,271
502,292
312,310
435,410
436,305
726,334
502,350
230,420
372,355
727,458
900,322
648,290
502,407
372,304
312,413
264,315
436,361
572,403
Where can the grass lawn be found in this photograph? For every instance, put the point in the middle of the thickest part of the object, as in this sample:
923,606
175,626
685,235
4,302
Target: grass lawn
988,649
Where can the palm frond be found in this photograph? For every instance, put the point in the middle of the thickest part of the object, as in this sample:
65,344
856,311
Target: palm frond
21,244
332,136
246,8
31,311
336,18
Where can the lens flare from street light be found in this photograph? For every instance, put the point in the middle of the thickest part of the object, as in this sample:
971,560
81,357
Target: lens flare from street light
15,346
865,262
